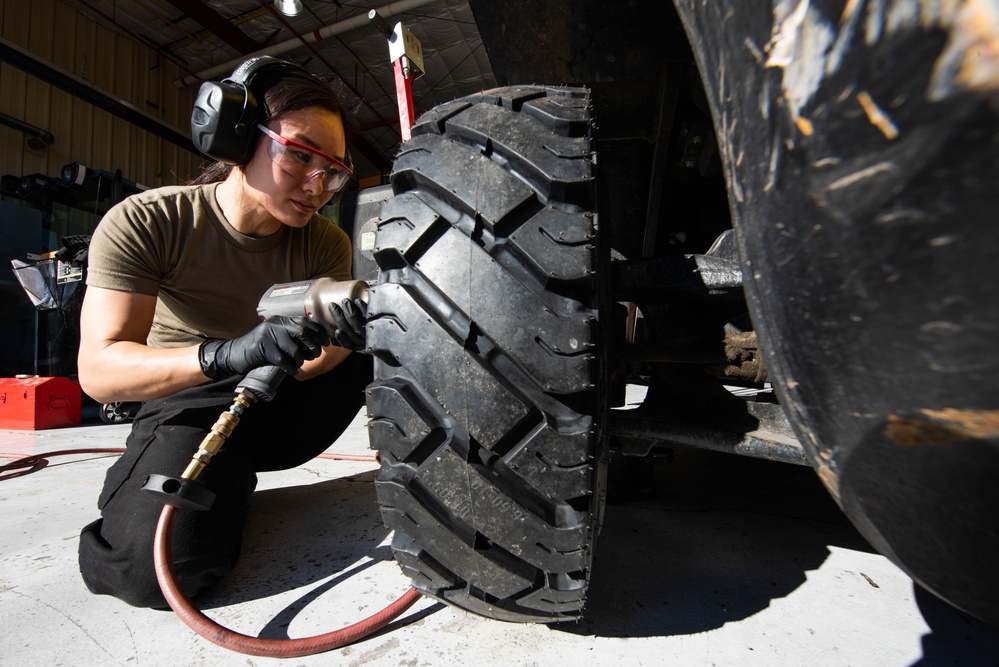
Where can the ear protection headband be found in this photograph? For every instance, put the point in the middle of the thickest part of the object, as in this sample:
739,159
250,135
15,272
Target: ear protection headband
226,114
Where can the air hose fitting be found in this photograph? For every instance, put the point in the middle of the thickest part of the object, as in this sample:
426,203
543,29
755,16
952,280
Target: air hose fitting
186,493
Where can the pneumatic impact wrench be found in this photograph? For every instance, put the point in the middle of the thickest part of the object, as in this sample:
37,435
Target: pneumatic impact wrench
306,298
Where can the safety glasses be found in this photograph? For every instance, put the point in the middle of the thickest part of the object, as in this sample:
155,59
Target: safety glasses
305,162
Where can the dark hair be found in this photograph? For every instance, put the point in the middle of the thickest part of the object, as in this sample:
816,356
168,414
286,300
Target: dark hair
284,91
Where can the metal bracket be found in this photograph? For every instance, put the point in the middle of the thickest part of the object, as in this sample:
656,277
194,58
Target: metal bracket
406,56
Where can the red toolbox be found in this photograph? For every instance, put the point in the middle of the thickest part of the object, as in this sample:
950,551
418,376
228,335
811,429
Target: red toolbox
33,403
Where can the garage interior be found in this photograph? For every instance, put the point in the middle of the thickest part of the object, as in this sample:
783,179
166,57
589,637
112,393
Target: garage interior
730,560
96,106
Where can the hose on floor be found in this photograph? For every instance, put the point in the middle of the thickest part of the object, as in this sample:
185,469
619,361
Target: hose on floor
25,465
206,627
234,641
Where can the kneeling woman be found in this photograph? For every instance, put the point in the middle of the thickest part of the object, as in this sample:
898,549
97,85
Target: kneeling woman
169,319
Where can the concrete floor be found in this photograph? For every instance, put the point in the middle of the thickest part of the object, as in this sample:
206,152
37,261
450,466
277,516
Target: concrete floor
733,561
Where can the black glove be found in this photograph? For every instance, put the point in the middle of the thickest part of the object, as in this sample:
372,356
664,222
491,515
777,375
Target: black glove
278,341
350,317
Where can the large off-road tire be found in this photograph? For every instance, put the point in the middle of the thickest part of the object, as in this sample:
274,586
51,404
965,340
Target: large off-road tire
484,328
859,143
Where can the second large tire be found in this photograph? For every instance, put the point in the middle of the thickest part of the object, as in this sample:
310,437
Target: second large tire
860,153
484,327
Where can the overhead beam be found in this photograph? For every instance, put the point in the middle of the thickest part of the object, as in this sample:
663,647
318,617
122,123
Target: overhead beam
353,23
218,24
86,91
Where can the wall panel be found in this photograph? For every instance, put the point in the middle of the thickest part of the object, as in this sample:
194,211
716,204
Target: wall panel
12,96
114,63
82,139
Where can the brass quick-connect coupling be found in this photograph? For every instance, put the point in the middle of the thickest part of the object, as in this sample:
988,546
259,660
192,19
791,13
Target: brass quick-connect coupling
213,442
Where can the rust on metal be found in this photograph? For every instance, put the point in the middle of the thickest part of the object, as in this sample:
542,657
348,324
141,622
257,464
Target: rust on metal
974,423
829,479
736,356
942,427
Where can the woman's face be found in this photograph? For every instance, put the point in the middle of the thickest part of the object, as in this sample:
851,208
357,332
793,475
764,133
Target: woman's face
290,199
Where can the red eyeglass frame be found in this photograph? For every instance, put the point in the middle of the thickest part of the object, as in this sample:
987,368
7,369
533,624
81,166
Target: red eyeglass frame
284,141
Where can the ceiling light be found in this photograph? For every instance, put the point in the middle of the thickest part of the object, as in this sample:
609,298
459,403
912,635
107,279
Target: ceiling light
289,7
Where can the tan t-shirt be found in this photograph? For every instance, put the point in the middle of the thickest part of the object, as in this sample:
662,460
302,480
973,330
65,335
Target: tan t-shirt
174,243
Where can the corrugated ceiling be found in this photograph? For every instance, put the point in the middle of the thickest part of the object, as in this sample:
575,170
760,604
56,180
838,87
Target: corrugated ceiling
200,36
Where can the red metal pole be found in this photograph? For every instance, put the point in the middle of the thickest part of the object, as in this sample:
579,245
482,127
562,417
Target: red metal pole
404,96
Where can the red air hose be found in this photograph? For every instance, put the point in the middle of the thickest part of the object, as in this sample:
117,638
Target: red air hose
38,461
234,641
204,626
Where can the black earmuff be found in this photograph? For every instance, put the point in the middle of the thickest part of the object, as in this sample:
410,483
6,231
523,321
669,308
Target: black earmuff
226,113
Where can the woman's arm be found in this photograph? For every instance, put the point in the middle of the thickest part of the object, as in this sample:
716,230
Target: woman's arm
115,364
332,355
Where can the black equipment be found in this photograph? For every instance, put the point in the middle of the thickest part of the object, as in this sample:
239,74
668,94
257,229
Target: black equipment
226,113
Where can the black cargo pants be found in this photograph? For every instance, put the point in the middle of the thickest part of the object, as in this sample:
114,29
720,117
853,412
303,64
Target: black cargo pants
116,551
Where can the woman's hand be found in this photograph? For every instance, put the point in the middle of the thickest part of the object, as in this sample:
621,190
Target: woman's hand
277,341
351,319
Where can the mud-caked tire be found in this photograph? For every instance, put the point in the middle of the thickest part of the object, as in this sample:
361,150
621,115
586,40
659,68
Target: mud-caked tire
858,145
484,328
